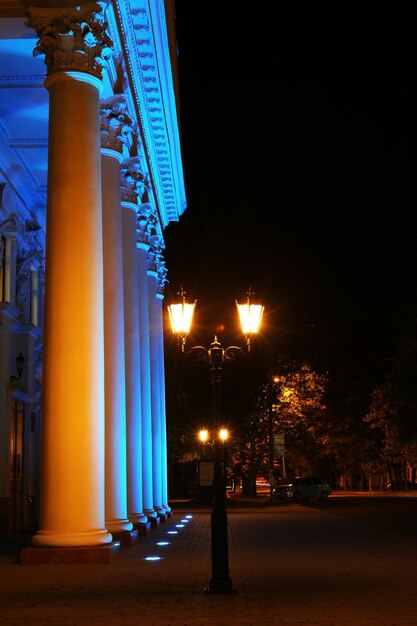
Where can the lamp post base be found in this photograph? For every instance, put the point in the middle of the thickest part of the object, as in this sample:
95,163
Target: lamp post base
220,584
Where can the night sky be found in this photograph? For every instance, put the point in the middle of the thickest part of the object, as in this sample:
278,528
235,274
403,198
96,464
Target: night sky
299,154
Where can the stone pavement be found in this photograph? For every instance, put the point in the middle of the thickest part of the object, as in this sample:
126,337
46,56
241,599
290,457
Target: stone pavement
290,565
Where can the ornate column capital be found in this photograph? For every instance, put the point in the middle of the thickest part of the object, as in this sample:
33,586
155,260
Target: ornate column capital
156,262
145,224
9,226
162,273
133,182
116,124
72,38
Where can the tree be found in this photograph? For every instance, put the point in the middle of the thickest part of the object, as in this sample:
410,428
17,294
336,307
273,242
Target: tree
392,416
297,409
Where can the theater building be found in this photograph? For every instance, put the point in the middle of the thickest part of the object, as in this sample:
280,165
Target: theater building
90,176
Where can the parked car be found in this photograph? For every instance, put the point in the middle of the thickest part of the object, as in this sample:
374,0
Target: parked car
303,488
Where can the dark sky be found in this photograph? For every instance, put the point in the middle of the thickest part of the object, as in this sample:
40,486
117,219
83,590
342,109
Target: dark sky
299,154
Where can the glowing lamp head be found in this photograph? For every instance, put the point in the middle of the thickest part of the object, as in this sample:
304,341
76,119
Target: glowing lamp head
250,316
223,434
203,435
181,317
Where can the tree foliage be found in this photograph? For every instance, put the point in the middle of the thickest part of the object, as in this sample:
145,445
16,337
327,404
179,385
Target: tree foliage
294,404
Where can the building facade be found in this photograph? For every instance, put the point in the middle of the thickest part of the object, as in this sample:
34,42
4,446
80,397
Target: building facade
90,176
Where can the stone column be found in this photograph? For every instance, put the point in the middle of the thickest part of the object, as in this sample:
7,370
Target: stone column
72,447
130,175
145,223
162,272
155,383
114,122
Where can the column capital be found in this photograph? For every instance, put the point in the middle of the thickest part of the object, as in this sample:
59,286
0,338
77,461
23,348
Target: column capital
156,262
9,226
134,183
145,225
116,124
72,38
162,273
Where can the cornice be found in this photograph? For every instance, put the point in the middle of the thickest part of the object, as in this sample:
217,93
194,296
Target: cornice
145,51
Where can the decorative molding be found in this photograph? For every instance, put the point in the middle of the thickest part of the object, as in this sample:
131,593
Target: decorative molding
29,80
143,65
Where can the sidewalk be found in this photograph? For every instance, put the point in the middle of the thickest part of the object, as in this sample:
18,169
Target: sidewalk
290,566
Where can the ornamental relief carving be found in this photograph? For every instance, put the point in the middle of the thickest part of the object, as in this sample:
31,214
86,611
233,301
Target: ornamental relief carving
72,39
116,125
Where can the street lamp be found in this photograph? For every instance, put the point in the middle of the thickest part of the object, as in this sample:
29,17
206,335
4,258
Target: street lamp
203,434
206,461
181,316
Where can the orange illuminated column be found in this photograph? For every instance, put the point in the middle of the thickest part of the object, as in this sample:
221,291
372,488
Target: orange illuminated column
162,272
145,225
129,174
114,120
155,377
72,446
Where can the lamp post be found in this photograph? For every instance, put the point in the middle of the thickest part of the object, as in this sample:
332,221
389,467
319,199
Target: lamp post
181,316
273,381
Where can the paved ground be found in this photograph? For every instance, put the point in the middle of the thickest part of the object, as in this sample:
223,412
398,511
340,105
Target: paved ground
290,565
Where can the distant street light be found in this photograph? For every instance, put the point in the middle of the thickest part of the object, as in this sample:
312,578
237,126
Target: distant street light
203,435
181,316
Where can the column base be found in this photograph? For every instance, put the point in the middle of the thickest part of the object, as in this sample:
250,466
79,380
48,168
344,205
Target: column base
78,555
162,517
143,528
154,522
126,537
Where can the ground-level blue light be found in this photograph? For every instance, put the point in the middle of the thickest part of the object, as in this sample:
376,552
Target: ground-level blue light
189,516
162,543
179,525
153,558
185,521
172,532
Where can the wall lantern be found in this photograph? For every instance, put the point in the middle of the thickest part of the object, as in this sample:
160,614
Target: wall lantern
20,362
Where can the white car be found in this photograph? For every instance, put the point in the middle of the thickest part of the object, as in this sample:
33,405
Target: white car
303,488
